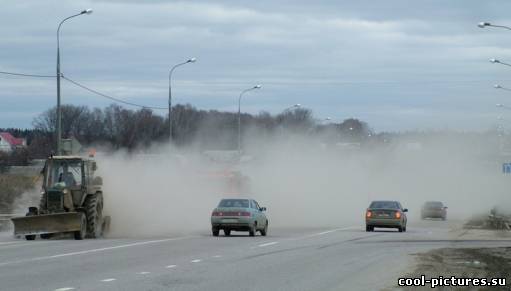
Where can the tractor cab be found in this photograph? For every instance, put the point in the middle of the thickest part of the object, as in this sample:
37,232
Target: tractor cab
65,183
63,173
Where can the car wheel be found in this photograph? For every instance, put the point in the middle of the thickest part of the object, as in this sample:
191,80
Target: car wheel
368,228
215,231
404,228
264,231
400,229
227,232
252,230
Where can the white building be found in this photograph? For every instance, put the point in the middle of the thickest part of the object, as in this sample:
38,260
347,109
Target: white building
8,143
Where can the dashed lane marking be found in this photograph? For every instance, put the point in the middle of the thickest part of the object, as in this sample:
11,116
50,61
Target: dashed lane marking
93,250
329,231
196,261
268,244
326,232
170,266
11,242
65,289
143,273
108,280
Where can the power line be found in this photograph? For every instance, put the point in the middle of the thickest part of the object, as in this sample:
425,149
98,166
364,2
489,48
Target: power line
26,75
85,88
110,97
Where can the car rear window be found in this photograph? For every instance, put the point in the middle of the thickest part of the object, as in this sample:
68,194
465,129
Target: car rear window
434,204
243,203
384,204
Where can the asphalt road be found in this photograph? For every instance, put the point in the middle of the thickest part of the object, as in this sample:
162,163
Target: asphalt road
343,258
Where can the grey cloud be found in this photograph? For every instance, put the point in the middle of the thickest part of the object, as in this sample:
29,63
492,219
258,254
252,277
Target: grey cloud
330,55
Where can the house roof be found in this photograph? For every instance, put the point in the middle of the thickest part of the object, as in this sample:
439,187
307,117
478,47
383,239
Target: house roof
13,141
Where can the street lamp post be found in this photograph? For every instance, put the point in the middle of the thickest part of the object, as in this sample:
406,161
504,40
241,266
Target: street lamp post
485,24
59,110
239,115
292,107
495,61
503,106
280,117
497,86
192,60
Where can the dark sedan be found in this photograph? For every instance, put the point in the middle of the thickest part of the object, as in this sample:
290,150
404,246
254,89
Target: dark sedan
386,214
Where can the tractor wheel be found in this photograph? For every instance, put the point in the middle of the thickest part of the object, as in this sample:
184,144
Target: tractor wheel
31,212
94,209
80,234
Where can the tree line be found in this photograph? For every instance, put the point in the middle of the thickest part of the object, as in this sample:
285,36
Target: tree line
118,127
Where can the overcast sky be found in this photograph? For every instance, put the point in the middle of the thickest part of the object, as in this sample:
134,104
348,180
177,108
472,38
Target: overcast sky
397,64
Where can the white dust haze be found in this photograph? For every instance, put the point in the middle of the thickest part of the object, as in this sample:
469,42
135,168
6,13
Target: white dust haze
301,182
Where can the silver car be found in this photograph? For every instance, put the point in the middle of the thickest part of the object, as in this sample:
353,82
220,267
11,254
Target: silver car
239,215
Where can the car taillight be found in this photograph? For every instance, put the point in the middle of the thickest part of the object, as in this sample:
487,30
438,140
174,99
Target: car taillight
398,214
369,214
217,213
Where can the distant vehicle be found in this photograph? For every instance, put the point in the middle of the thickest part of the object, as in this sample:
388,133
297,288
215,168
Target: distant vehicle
239,215
434,209
386,214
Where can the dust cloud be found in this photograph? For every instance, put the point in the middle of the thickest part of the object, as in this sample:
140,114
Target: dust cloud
158,193
302,183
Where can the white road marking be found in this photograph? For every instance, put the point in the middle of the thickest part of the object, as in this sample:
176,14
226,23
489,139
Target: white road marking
170,266
24,243
196,261
65,289
15,245
217,256
325,232
143,273
331,231
268,244
10,242
94,250
108,280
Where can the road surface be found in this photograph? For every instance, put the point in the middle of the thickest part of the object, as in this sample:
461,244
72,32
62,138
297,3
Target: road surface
341,258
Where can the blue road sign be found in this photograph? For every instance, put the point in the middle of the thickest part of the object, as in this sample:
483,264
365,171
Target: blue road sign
506,168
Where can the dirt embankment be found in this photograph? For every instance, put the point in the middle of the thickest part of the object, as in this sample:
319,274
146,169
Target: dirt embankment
464,263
